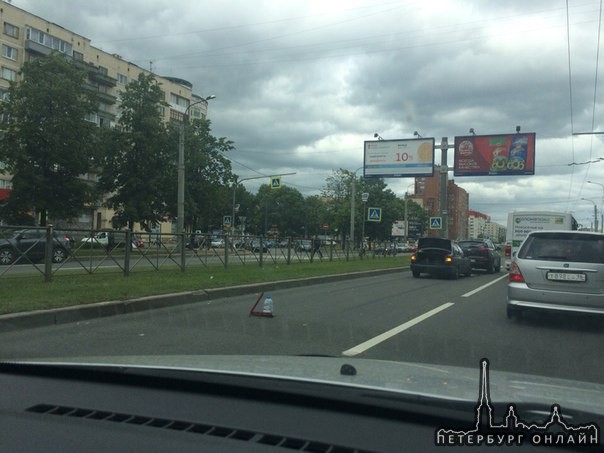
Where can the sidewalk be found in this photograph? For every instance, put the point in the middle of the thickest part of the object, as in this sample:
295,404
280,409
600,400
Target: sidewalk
41,318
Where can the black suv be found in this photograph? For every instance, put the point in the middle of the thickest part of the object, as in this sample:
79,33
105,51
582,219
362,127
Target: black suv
30,246
482,253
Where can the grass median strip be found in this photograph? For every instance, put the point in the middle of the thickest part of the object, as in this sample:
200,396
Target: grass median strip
32,293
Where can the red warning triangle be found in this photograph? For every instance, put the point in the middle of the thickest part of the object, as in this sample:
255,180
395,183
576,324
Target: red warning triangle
266,309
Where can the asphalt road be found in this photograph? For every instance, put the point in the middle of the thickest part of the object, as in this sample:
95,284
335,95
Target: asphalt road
388,317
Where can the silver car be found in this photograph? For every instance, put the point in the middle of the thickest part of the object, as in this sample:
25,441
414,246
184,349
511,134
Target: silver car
558,270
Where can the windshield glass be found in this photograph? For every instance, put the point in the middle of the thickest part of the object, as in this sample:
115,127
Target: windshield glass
228,178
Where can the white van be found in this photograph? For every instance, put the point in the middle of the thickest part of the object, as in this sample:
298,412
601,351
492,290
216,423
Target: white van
521,223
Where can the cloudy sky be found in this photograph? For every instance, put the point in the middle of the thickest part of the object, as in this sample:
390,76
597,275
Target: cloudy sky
301,84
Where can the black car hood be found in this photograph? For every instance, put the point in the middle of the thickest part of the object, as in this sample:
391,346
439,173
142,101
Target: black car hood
433,243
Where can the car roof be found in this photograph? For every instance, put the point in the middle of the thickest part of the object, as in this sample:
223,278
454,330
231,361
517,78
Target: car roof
565,233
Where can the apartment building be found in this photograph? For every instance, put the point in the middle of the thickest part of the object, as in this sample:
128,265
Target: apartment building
427,189
481,226
26,36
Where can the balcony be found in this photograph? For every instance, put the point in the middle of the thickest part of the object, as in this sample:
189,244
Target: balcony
35,47
95,74
101,78
103,97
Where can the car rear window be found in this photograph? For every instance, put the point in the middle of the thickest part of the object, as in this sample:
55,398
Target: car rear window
471,244
564,247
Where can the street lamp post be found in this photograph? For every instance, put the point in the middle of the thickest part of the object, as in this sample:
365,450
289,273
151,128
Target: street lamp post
352,196
601,205
406,212
595,213
180,204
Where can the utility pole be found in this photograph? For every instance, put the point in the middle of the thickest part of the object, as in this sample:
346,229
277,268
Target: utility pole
444,145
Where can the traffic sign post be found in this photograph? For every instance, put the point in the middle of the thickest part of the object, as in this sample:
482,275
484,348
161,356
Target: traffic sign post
227,220
374,214
275,182
435,223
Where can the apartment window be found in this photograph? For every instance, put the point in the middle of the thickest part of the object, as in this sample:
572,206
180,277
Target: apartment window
9,52
11,30
79,56
9,74
179,100
92,117
49,41
103,70
121,78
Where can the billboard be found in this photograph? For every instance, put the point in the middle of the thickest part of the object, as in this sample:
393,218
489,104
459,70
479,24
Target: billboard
416,229
481,155
399,158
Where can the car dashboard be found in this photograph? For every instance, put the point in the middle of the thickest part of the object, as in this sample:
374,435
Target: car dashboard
86,408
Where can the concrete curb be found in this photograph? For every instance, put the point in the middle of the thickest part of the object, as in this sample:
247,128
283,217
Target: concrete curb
42,318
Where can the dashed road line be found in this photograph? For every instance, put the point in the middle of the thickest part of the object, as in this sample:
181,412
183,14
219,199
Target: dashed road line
395,331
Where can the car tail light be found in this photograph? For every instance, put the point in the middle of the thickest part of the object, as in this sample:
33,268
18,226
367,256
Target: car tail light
508,251
448,259
515,276
413,257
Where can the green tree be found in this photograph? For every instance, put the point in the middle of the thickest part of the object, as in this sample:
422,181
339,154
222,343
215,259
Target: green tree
282,207
392,208
139,157
47,145
337,193
208,177
316,214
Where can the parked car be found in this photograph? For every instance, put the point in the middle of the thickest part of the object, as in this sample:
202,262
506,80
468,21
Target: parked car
386,249
217,243
283,243
256,245
117,239
405,247
558,271
441,257
30,246
482,253
305,245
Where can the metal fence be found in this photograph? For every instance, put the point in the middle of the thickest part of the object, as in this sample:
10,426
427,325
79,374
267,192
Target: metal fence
48,250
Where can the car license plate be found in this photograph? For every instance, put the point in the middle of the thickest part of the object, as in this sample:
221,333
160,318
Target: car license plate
566,276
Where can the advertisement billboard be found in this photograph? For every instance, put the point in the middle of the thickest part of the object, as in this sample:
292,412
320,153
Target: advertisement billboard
399,158
493,155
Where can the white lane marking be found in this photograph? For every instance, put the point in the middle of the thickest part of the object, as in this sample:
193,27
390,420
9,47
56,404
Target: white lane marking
480,288
392,332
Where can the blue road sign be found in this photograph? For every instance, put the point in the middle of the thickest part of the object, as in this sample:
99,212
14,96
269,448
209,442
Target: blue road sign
374,214
436,223
276,182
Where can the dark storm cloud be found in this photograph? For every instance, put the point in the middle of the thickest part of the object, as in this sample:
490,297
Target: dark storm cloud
301,84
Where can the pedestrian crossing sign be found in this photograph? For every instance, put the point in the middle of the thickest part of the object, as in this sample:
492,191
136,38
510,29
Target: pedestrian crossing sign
374,214
275,182
435,223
